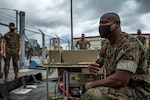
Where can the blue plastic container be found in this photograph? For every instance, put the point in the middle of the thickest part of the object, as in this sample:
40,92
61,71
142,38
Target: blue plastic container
33,64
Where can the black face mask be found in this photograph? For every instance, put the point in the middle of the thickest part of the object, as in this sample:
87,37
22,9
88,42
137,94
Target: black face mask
12,30
105,30
139,33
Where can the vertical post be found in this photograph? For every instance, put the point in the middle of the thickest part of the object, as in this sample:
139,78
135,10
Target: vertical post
50,44
68,45
54,43
72,47
43,48
16,20
47,86
22,32
67,82
58,42
64,81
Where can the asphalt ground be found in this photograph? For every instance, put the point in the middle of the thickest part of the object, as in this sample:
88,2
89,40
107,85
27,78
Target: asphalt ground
38,93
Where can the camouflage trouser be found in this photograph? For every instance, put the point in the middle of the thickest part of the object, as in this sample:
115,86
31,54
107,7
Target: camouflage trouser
106,93
15,59
29,56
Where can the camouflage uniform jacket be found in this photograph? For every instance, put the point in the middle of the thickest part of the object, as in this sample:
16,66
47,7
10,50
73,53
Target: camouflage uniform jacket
1,38
30,51
12,40
103,42
83,43
127,54
142,39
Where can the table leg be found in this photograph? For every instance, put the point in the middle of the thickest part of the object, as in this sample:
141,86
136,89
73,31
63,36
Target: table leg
47,69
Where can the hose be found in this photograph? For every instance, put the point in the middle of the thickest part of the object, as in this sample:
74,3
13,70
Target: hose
71,98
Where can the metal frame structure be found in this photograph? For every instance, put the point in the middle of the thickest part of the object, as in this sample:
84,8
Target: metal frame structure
65,75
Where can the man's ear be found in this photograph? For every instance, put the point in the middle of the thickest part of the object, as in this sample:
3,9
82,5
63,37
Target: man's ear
118,23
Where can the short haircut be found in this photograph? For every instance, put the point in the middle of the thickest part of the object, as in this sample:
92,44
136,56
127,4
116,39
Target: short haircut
11,24
138,29
112,16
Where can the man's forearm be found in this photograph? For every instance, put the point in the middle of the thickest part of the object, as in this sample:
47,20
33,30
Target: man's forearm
107,83
77,46
89,45
4,48
115,80
20,47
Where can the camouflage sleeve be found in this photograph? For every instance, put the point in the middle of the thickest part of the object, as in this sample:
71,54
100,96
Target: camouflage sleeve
129,56
77,42
19,37
102,53
144,39
127,65
88,42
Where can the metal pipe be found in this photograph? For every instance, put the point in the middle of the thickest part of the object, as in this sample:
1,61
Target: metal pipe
72,47
43,47
47,69
16,20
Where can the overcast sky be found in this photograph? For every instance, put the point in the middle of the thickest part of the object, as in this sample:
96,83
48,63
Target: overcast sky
53,16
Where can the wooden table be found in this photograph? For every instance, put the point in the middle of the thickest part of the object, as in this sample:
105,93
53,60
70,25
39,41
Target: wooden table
47,66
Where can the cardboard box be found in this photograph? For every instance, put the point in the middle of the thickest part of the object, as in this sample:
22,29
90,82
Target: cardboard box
55,56
79,56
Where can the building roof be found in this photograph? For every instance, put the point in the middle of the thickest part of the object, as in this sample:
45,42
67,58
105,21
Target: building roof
76,38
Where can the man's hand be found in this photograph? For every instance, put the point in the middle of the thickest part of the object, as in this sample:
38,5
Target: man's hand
88,85
1,53
19,53
94,67
4,55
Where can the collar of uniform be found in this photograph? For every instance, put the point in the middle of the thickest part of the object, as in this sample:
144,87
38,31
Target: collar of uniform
11,32
118,40
82,39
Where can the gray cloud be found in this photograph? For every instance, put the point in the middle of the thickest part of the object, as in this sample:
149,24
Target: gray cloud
142,6
53,17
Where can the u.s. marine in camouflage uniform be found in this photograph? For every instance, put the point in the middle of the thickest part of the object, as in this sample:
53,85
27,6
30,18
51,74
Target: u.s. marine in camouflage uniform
141,38
83,43
125,64
104,44
29,52
148,53
12,49
1,54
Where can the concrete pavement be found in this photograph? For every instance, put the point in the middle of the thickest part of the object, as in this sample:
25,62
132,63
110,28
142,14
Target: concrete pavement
24,70
40,92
